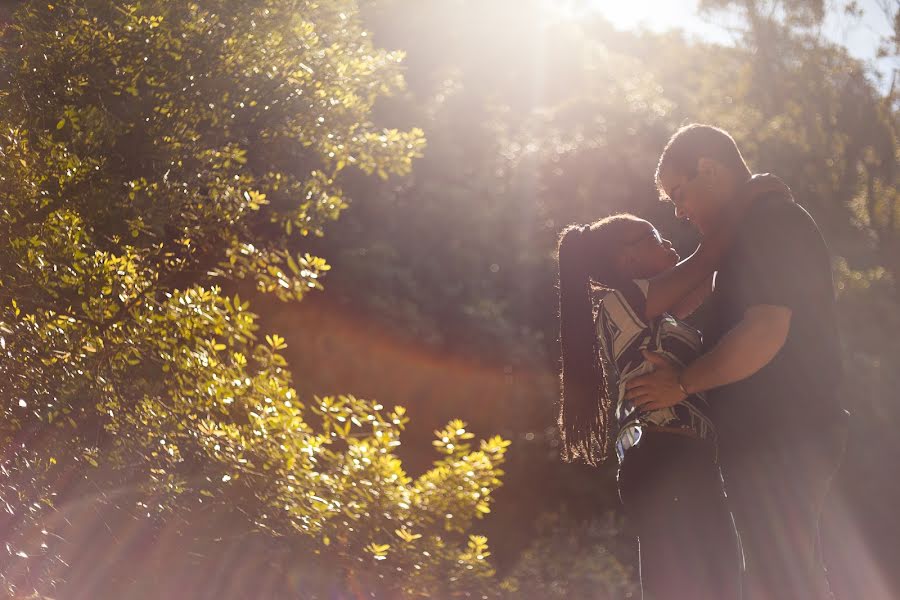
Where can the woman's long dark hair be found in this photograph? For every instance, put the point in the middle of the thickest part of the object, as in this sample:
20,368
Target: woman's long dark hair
587,256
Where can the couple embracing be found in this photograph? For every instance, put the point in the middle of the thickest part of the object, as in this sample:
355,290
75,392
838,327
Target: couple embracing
727,442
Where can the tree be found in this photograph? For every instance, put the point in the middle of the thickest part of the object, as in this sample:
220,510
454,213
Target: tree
157,157
830,110
533,127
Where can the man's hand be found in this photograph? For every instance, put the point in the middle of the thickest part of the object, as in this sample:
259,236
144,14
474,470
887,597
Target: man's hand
659,389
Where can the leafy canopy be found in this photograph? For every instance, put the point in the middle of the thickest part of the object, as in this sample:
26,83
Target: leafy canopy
154,154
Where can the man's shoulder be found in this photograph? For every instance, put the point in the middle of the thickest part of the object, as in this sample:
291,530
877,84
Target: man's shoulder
765,205
776,229
776,211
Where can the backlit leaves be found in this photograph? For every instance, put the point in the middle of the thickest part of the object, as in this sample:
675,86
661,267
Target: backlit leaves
154,152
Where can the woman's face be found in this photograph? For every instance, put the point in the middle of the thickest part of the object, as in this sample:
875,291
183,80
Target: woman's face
645,253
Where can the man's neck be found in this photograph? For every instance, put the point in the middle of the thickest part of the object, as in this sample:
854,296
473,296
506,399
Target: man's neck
736,206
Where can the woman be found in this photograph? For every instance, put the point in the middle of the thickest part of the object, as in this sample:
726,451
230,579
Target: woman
617,279
622,293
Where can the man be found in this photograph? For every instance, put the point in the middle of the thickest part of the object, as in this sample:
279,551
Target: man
771,366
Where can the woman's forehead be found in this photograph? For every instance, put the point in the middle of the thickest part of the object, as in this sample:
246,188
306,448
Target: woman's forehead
637,229
642,225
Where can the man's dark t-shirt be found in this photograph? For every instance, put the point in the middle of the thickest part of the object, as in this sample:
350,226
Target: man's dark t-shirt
779,258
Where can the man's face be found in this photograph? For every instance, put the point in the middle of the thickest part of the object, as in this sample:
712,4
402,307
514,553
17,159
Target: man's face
697,198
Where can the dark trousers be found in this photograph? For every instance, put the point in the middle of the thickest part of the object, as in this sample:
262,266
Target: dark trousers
671,490
776,490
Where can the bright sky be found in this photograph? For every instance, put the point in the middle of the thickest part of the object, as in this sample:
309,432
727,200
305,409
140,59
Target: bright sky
860,36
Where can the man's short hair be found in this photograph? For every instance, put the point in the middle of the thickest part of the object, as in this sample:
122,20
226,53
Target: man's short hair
695,141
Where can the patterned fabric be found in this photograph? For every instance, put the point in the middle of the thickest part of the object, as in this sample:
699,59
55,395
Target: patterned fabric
623,334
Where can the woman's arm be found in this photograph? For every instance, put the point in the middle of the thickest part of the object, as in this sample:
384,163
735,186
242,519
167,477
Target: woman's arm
695,298
671,287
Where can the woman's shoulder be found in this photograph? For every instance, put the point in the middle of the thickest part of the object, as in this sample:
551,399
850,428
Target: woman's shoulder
630,299
620,316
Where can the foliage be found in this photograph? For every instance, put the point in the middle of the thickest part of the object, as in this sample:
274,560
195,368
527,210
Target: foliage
144,208
534,122
573,560
155,155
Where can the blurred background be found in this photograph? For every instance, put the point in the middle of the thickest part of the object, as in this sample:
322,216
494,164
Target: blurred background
539,114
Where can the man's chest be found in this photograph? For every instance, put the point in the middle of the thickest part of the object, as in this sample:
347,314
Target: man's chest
724,304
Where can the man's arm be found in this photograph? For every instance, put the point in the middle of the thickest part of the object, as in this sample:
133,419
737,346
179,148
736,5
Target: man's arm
745,349
772,284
